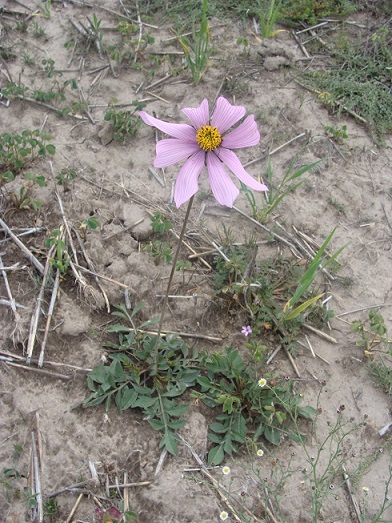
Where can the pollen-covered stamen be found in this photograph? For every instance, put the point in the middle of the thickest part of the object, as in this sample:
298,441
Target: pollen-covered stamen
209,138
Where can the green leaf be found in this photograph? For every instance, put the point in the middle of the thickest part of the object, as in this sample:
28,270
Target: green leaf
293,314
204,382
156,424
137,308
51,149
128,398
214,438
177,410
216,455
118,328
272,435
169,441
307,412
145,402
219,428
177,424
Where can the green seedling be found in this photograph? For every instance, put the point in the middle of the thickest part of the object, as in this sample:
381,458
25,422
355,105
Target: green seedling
65,177
197,51
160,250
338,134
22,198
51,507
160,223
61,257
375,337
90,224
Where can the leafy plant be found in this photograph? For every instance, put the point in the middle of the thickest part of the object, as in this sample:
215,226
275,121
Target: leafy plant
160,223
51,507
127,380
16,150
22,199
160,250
376,336
198,50
223,381
245,401
338,134
61,256
125,123
65,177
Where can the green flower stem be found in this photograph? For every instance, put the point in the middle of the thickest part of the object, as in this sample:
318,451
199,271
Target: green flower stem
158,340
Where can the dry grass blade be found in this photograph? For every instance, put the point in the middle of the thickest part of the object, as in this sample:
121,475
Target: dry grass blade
29,255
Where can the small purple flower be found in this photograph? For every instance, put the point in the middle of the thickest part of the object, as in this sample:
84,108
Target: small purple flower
207,142
246,330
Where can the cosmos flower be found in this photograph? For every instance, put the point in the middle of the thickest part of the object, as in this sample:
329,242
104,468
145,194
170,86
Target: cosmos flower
246,330
262,382
208,141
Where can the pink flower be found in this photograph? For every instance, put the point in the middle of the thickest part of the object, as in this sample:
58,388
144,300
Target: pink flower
246,330
208,141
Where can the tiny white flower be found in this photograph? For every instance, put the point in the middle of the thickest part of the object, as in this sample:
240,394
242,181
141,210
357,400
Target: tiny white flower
262,382
226,470
365,489
260,452
224,515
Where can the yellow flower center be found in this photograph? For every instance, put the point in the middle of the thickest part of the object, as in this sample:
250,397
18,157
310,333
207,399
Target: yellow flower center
209,138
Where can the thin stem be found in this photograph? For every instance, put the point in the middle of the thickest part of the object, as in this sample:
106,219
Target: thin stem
164,307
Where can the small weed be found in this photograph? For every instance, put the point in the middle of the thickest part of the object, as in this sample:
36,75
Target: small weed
22,198
65,177
28,60
125,123
38,30
160,250
382,374
160,224
17,451
268,18
274,195
87,225
340,207
338,134
61,258
45,6
51,507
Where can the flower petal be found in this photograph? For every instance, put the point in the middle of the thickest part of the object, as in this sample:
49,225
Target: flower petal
233,163
177,130
199,116
226,115
245,135
171,150
187,179
222,187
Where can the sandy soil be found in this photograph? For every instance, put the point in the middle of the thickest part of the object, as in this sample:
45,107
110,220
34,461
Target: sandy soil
350,189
